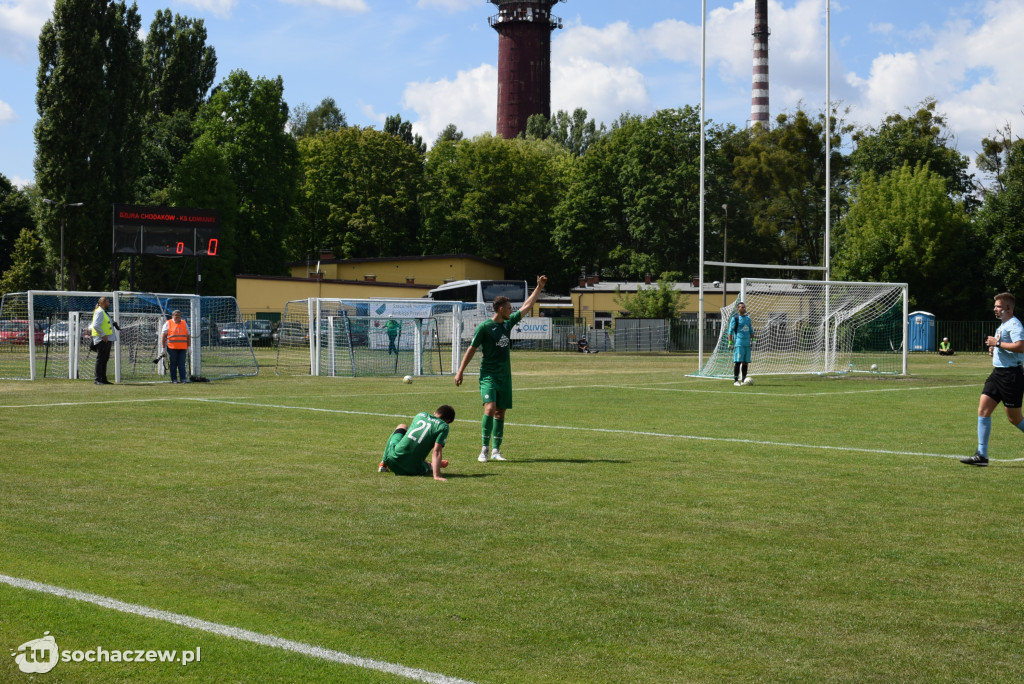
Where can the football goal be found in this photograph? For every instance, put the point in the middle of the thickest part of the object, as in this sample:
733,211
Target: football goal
59,346
374,337
808,326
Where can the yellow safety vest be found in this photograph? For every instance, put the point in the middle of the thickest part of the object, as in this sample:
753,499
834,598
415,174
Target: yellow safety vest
105,327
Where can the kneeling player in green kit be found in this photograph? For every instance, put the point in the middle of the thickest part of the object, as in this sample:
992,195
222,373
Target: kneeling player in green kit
408,447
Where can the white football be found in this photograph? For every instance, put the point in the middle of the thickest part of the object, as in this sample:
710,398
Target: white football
874,366
407,379
748,380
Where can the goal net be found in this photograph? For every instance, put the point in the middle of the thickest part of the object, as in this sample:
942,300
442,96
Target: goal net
806,326
60,344
373,337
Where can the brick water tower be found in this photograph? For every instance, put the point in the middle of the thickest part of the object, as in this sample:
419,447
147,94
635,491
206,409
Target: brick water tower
524,61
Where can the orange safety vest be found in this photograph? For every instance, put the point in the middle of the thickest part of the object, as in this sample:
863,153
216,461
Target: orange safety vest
177,334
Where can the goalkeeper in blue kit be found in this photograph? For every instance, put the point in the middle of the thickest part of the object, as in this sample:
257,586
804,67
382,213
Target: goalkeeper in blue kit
741,335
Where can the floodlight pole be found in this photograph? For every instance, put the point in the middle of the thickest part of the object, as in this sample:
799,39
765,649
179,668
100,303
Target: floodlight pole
700,246
63,218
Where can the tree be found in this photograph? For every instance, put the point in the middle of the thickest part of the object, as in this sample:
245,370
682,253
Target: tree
919,139
631,203
1001,221
28,269
575,133
494,197
179,70
450,133
90,98
359,195
324,117
781,177
660,301
246,119
15,216
403,131
180,67
904,227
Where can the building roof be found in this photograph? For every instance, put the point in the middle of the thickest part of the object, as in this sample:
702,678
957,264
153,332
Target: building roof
628,286
377,260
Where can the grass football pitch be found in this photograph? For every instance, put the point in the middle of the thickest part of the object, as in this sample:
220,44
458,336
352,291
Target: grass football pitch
647,527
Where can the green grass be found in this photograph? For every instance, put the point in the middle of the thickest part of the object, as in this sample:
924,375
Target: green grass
596,554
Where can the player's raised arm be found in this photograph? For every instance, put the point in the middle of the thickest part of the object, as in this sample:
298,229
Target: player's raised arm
541,282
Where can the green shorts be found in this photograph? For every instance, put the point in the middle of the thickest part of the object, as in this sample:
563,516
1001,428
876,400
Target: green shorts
401,466
498,390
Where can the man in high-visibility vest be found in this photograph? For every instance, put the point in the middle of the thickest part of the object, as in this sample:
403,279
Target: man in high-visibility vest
174,337
103,336
945,348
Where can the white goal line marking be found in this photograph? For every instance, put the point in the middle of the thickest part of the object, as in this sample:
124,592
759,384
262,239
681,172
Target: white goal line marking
234,632
637,433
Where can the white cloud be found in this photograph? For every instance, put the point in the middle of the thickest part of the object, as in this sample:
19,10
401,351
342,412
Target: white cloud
370,113
616,43
470,102
6,113
348,5
220,8
603,90
20,22
971,67
20,182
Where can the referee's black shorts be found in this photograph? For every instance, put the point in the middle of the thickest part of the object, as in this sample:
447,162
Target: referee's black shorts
1006,385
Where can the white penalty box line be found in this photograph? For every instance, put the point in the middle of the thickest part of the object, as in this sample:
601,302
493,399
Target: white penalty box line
233,632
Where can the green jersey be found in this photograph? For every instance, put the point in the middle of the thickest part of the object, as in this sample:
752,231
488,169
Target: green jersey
495,341
416,444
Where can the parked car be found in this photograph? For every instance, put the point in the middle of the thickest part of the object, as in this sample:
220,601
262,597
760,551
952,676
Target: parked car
233,334
16,332
291,334
261,333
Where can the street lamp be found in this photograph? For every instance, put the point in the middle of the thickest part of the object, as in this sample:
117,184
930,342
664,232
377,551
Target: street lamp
63,218
725,243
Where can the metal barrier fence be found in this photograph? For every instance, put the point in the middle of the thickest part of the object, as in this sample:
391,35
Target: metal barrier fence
965,337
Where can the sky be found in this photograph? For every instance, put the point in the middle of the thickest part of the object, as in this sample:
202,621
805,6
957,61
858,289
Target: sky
434,62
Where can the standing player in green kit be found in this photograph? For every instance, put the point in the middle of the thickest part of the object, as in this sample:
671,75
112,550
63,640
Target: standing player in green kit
494,338
408,447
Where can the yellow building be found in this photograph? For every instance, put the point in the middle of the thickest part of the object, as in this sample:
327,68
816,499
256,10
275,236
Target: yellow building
594,302
395,277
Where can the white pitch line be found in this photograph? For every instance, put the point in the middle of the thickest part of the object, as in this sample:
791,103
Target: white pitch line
780,394
235,632
637,433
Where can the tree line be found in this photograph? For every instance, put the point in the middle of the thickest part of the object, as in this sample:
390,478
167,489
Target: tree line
139,121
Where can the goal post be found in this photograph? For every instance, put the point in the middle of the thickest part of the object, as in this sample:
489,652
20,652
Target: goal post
372,337
813,326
